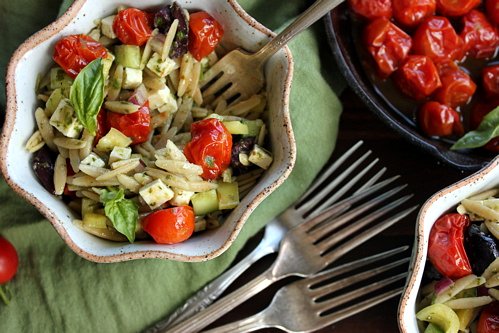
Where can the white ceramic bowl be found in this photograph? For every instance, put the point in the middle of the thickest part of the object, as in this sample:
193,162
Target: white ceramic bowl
34,56
442,202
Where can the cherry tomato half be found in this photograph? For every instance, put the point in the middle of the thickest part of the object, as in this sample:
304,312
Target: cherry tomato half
9,261
492,10
170,226
437,119
136,126
388,45
204,34
479,36
418,77
210,147
410,13
456,7
436,38
457,88
372,9
489,319
490,80
131,26
446,250
74,52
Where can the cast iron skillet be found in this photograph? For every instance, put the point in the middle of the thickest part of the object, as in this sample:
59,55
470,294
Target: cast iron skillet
341,34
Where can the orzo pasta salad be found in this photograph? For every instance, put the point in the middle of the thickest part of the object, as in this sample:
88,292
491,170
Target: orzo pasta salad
125,137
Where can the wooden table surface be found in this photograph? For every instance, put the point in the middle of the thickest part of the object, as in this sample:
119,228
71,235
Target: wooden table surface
424,176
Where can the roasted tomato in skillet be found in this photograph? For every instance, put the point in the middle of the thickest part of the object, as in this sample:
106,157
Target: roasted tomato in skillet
371,9
437,119
457,88
456,7
388,45
417,77
490,81
410,13
479,36
492,10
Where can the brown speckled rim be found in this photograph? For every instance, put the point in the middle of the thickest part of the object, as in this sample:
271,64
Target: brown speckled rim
418,260
10,117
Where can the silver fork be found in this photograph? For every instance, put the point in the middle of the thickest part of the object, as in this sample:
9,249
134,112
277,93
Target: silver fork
276,229
306,305
308,247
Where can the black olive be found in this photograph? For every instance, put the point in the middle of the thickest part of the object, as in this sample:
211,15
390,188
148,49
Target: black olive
480,248
43,166
430,273
164,18
243,146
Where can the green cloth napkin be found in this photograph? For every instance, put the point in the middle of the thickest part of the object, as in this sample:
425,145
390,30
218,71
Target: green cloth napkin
57,291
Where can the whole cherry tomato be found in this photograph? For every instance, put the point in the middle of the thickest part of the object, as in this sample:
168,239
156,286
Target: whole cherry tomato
446,250
417,77
490,80
479,36
204,34
210,147
136,126
492,10
388,45
410,13
437,119
9,261
436,38
131,26
170,226
456,7
489,319
371,9
457,88
74,52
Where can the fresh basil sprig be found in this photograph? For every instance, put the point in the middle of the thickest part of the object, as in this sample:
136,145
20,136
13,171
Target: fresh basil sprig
122,212
87,94
488,129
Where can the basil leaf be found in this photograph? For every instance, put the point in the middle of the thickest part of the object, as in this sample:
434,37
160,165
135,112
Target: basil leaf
87,94
488,129
122,212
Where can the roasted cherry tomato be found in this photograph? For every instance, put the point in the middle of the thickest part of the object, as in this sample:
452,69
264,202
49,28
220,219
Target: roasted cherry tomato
479,36
489,319
492,10
74,52
136,126
210,147
436,38
102,126
457,88
456,7
388,45
480,110
493,145
170,226
131,26
9,261
410,13
204,34
446,249
490,80
437,119
371,9
417,77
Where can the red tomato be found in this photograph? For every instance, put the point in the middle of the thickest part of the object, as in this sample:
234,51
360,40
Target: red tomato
204,34
371,9
410,13
456,7
457,88
437,119
446,250
210,147
170,226
492,10
74,52
479,111
479,36
489,319
388,45
436,38
9,261
493,145
136,126
418,77
102,126
131,26
490,80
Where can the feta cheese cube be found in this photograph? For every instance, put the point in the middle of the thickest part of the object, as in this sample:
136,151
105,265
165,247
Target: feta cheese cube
159,97
170,104
181,197
93,160
156,193
132,78
120,153
113,138
159,67
64,119
106,26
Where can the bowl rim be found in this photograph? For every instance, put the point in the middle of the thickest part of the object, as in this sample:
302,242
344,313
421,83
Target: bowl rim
418,260
10,116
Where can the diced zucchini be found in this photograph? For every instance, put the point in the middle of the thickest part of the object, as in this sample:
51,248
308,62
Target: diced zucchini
156,193
93,160
59,78
107,62
228,195
119,153
260,157
236,127
205,202
106,26
440,315
128,56
432,328
64,119
93,220
113,138
53,102
132,78
159,67
254,126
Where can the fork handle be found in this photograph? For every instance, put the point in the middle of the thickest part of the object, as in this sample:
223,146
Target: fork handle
224,305
310,16
250,324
